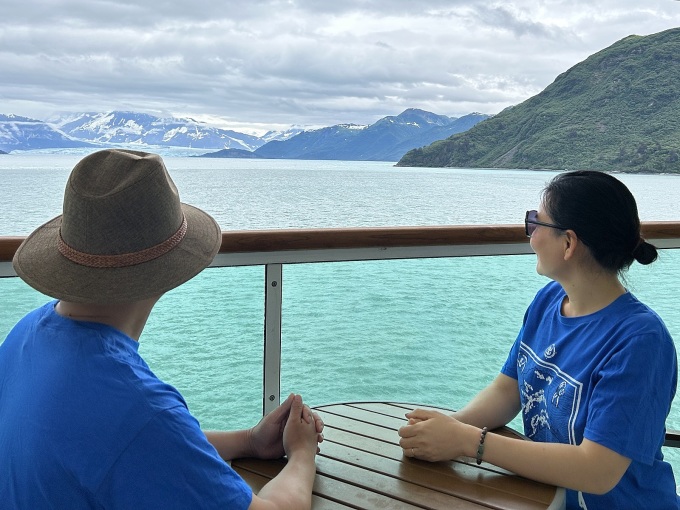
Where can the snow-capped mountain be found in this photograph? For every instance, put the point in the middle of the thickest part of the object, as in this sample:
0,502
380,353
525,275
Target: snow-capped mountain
385,140
23,133
281,135
120,127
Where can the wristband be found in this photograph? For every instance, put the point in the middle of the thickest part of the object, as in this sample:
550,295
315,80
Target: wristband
480,448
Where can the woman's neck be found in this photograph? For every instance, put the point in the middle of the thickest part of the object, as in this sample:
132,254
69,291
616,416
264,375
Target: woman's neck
590,292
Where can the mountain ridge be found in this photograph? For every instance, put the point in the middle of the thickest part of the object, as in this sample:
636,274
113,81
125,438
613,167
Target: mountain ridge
618,110
387,139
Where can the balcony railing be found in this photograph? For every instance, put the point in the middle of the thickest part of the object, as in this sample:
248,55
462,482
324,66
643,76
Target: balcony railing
275,248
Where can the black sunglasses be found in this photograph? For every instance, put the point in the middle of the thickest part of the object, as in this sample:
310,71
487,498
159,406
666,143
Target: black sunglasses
531,222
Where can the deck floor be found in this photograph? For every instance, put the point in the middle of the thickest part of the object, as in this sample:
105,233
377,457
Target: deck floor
361,466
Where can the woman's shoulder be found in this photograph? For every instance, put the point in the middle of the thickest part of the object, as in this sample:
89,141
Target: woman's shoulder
639,325
633,311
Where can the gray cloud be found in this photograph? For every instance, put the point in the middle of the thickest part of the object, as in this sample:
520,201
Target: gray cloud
304,62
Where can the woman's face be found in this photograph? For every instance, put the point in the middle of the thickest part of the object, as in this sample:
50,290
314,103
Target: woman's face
547,243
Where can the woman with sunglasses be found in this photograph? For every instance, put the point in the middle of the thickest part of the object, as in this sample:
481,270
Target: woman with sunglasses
593,371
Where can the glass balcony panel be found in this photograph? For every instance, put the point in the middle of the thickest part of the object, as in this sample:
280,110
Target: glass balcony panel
425,331
204,338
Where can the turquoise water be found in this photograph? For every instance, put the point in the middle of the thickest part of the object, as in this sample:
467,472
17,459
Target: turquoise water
430,331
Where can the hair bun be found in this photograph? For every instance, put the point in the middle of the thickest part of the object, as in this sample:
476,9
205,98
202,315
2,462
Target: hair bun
645,253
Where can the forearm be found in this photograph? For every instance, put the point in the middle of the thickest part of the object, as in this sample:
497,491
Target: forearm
494,406
230,444
588,467
291,489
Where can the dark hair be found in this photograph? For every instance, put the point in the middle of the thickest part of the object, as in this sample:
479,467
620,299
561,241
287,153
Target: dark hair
603,213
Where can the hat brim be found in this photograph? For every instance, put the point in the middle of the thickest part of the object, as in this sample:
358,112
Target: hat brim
39,263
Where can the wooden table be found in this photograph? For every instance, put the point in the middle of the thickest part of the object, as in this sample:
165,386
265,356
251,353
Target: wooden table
361,466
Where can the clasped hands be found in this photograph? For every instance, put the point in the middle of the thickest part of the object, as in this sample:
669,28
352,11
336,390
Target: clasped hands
289,429
433,436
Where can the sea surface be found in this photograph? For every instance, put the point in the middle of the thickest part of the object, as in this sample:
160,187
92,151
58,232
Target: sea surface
432,331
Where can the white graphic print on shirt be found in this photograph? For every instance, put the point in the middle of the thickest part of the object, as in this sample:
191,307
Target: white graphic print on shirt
550,397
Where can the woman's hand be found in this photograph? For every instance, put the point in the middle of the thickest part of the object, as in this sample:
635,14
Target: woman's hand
434,436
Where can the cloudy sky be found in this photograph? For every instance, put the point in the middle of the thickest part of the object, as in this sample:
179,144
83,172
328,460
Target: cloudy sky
252,65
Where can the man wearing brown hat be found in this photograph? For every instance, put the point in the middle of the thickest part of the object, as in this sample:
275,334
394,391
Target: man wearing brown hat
84,423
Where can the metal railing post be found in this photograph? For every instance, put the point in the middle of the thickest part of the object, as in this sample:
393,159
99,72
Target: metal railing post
271,387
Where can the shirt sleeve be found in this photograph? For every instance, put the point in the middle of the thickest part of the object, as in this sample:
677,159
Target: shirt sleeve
171,465
509,368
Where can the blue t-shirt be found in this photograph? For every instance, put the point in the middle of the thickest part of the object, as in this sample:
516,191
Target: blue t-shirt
609,377
85,424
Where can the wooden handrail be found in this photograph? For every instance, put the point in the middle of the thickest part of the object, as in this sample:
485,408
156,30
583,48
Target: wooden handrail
248,241
8,245
368,237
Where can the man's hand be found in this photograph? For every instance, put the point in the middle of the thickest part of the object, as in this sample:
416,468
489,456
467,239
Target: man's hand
266,438
300,433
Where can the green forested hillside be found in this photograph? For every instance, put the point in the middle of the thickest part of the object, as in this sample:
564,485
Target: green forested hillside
619,110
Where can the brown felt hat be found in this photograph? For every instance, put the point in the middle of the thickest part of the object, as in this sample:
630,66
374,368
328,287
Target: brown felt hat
123,236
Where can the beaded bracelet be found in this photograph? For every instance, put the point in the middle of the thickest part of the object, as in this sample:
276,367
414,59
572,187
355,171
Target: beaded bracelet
480,448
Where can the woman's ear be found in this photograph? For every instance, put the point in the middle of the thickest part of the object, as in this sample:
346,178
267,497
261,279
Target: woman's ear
571,243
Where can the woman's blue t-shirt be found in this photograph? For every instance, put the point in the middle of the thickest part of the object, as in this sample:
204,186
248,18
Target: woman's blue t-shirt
609,377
